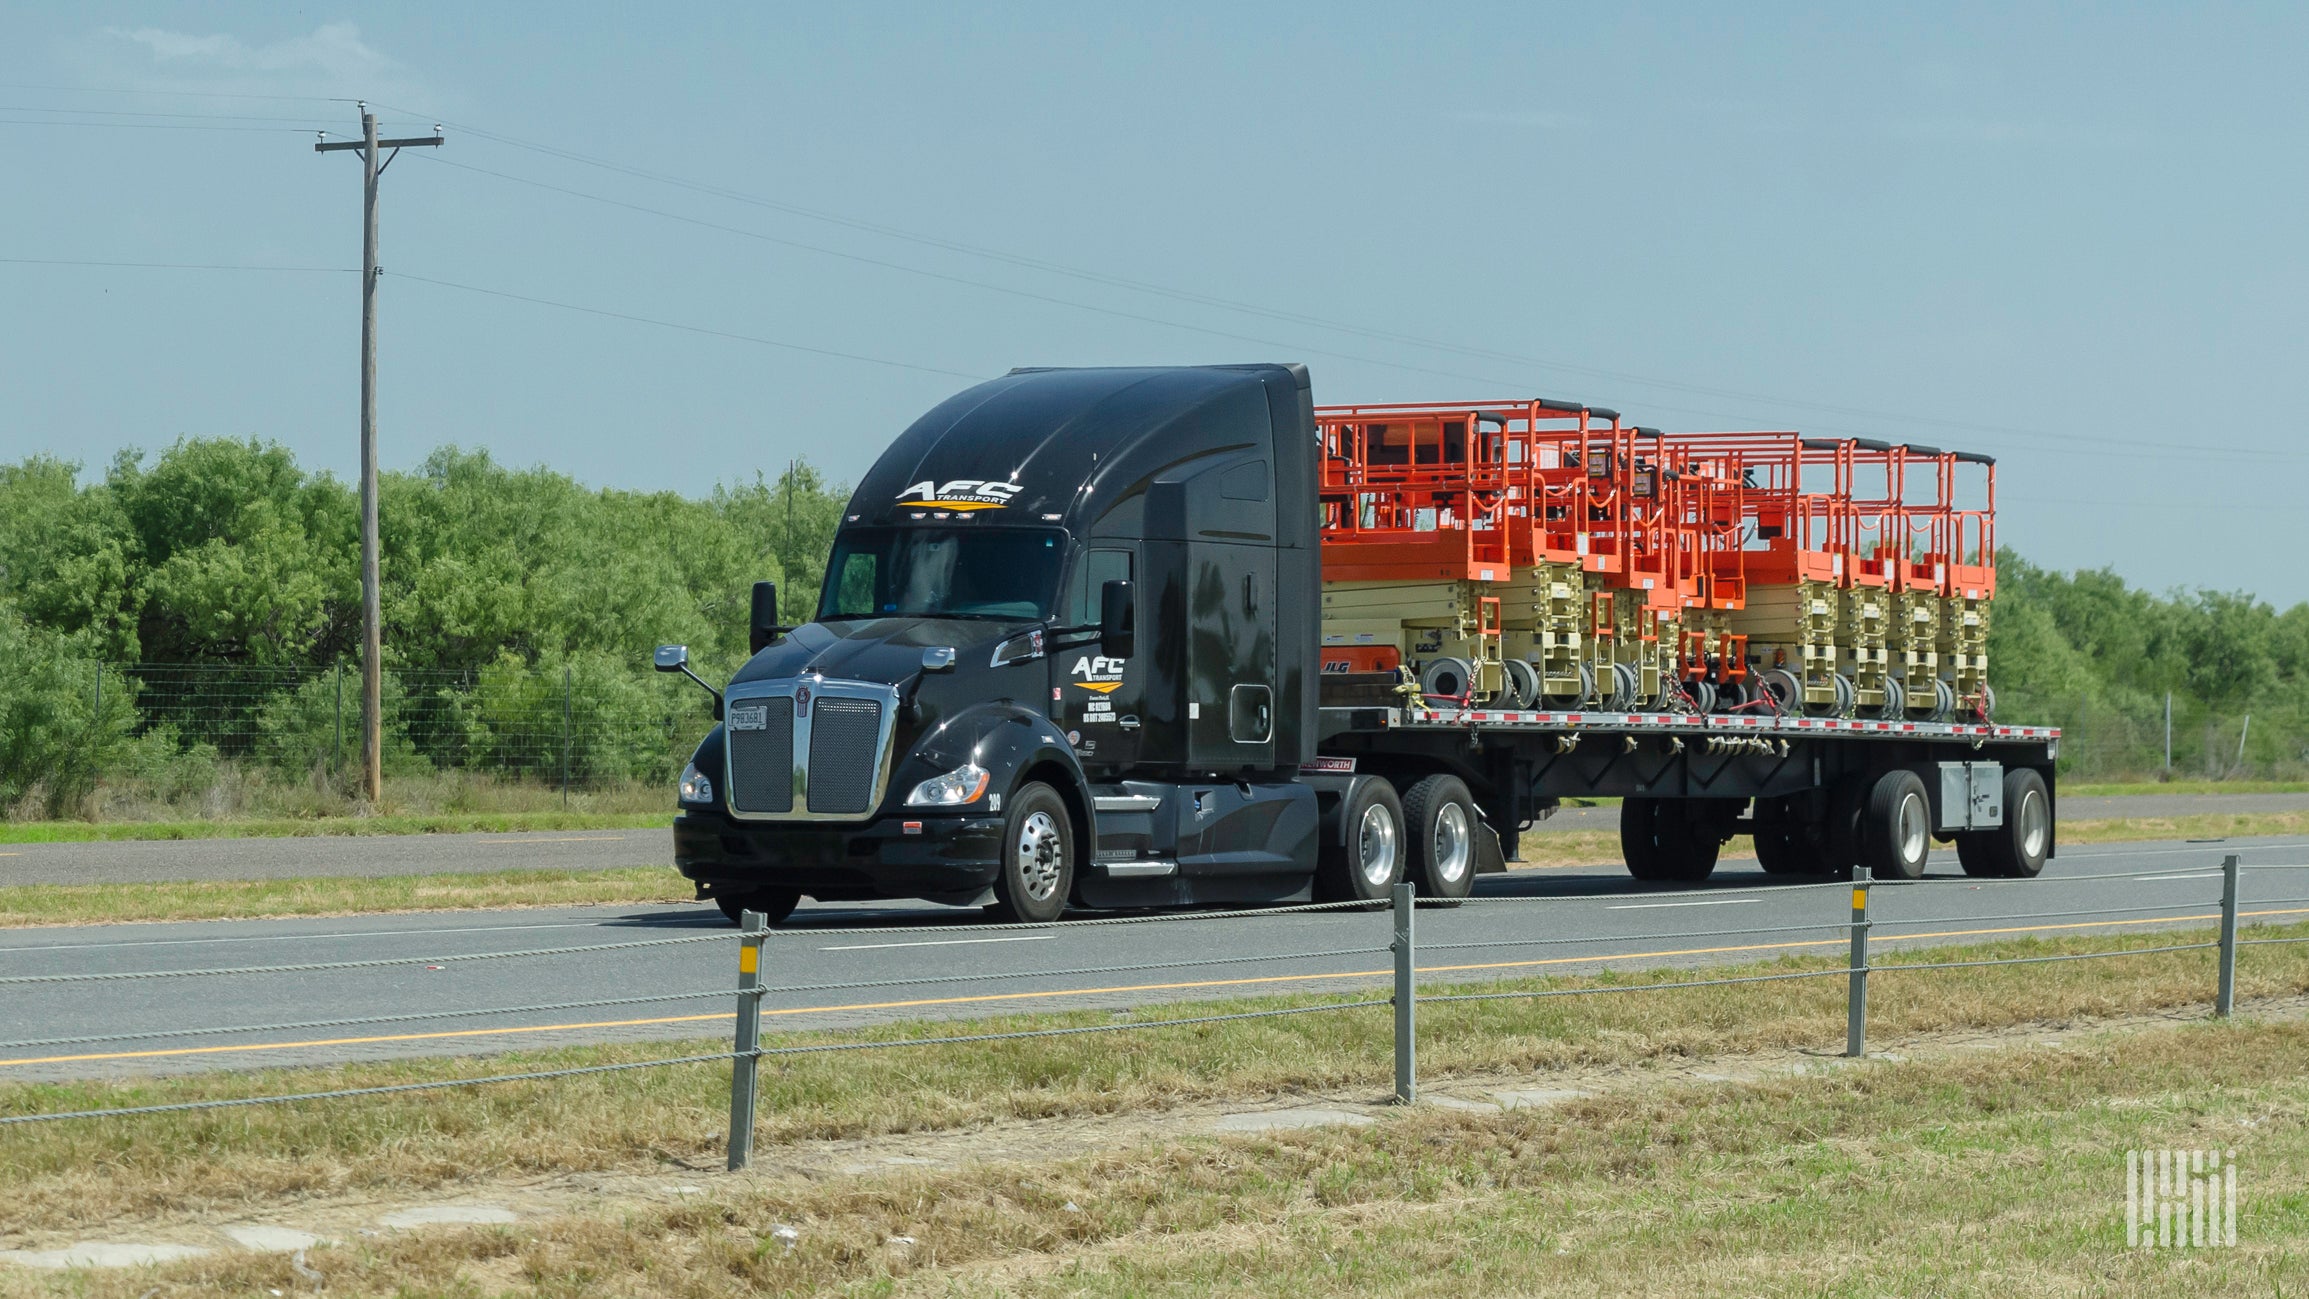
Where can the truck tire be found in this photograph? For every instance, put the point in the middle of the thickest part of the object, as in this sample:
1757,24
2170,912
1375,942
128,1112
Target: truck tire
2017,849
1663,839
776,904
1036,875
1441,816
1369,864
1784,844
1896,827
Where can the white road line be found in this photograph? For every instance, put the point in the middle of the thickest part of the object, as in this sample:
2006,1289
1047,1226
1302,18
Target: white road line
14,950
941,942
2200,875
1710,902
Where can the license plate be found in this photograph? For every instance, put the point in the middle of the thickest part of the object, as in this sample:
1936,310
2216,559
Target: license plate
755,717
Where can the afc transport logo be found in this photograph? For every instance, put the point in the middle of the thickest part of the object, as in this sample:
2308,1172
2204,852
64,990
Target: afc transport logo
1102,676
959,494
1098,672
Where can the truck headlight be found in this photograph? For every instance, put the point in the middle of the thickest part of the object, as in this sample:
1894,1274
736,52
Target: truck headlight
695,787
962,785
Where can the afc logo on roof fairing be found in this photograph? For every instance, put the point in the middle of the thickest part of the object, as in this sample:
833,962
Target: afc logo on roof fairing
964,494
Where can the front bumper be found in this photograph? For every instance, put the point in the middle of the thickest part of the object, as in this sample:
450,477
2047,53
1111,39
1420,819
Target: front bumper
950,859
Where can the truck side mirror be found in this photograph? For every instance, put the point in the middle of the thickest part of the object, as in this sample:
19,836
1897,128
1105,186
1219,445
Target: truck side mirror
762,628
675,658
1117,620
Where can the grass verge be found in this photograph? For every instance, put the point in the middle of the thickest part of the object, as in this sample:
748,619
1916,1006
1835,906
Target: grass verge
1961,1176
2120,788
298,827
250,1160
89,904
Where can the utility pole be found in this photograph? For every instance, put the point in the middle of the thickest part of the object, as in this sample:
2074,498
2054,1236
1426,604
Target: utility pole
372,610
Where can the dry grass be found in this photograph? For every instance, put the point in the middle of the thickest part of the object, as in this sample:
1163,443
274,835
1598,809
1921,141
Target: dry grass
251,1160
79,904
381,824
1990,1175
239,798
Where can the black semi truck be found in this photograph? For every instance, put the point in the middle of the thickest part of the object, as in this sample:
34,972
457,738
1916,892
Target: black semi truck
1066,654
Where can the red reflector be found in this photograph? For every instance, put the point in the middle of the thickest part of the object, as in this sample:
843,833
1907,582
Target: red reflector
911,827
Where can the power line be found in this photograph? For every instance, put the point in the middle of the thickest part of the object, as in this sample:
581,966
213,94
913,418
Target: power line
687,329
153,126
1033,296
182,94
176,266
115,112
1099,277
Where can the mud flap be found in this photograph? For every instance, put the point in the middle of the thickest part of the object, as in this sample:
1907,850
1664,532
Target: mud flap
1489,860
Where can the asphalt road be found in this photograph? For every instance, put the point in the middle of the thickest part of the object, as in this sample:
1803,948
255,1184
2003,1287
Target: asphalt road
434,854
1528,921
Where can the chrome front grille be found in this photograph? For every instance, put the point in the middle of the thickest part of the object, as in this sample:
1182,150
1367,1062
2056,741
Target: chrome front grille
761,742
808,749
844,755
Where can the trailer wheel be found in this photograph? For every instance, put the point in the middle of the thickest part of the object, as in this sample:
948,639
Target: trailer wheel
1784,844
1441,816
776,904
1367,867
1896,827
1668,839
2017,849
1037,872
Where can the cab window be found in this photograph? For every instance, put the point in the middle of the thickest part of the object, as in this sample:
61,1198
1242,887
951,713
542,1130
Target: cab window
1098,567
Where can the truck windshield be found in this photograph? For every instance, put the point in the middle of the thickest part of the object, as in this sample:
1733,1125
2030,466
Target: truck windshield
969,572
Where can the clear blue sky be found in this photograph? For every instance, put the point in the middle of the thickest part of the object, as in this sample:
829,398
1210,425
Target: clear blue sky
2071,236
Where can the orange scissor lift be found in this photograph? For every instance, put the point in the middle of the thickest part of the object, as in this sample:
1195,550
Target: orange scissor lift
1515,552
1529,553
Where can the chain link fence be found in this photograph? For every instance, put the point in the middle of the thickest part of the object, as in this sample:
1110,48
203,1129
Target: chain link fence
2178,739
585,723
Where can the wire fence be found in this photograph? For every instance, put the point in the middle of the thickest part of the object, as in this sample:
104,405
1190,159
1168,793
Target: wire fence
584,723
2174,738
1865,912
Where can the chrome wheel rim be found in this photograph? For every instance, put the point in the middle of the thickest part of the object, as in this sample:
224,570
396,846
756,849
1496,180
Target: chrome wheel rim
1915,829
2035,826
1375,846
1041,855
1454,846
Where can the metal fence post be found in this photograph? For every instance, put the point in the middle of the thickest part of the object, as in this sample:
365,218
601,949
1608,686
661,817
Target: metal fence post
745,1065
1406,1002
1856,985
566,705
2225,1000
337,764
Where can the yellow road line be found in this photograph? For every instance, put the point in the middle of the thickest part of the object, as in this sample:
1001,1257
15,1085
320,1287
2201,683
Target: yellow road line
983,998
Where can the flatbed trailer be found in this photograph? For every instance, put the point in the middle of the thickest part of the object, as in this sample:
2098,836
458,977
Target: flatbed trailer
1803,782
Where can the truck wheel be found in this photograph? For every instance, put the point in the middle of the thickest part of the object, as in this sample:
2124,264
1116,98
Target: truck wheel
1367,867
1664,839
1442,819
1784,845
2017,849
1896,827
1037,873
776,904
